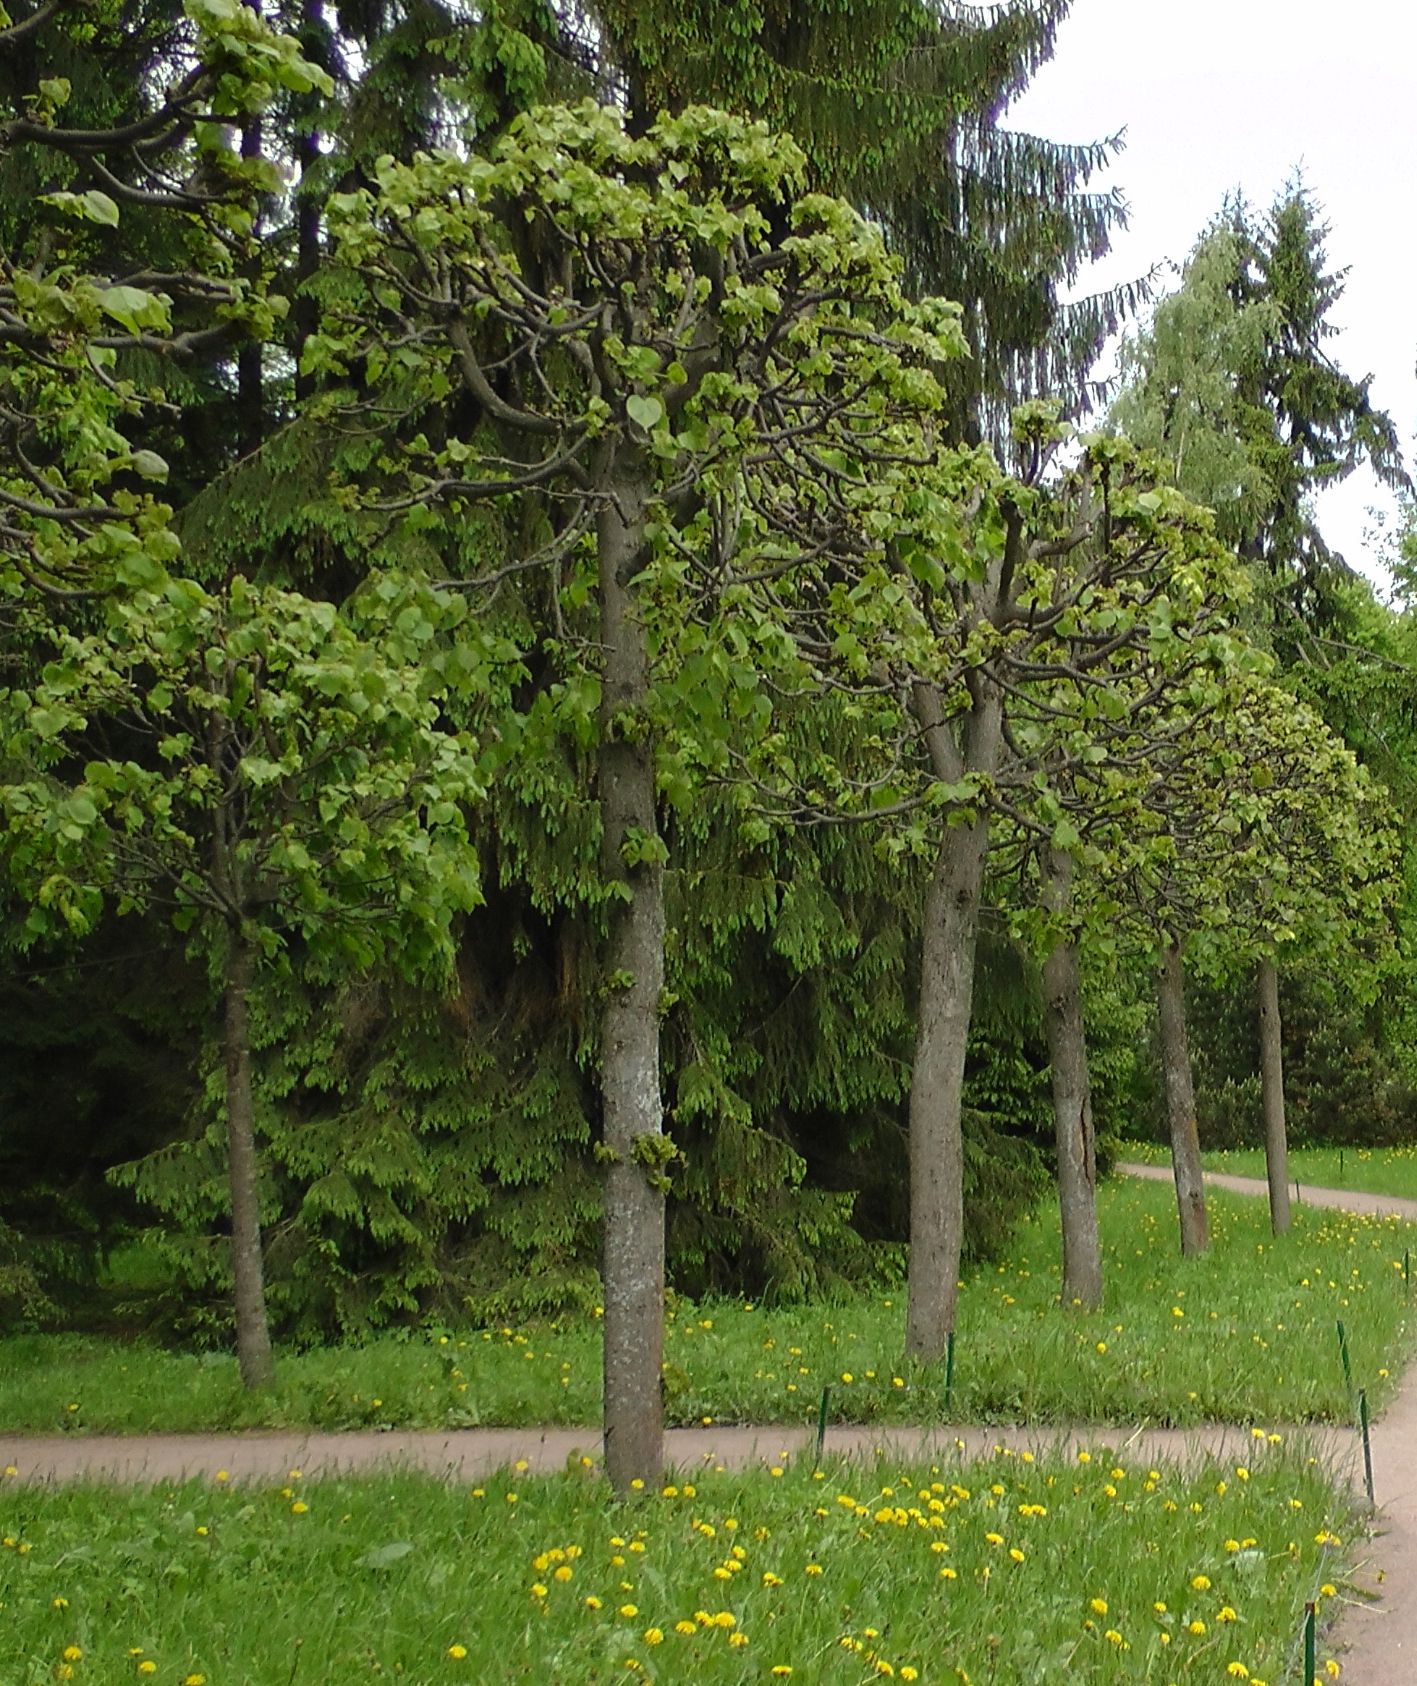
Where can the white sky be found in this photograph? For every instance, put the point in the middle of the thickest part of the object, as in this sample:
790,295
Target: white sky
1222,94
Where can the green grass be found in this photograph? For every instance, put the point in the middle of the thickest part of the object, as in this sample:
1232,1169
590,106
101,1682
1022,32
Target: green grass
1121,1574
1245,1334
1375,1170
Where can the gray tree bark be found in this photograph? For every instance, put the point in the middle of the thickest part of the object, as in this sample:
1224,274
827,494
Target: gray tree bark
253,1335
1072,1098
948,940
633,1247
1276,1140
1181,1102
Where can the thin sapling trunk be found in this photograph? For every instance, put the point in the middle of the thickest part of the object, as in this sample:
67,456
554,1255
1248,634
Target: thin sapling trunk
253,1335
1072,1099
1181,1102
1276,1140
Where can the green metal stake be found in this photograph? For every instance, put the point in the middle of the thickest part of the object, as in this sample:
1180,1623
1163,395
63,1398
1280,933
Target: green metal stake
949,1368
1298,1198
1309,1658
1367,1444
1340,1164
1407,1270
1343,1354
821,1426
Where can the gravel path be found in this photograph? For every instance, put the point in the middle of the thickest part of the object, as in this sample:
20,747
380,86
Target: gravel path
1380,1636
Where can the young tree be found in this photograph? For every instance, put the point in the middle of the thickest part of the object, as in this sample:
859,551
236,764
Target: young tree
692,364
275,781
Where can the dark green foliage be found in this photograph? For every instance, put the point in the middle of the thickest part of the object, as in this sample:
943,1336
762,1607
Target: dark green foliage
98,1066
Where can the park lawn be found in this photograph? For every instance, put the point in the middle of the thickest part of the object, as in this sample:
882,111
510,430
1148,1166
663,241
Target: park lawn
1374,1170
1004,1571
1245,1334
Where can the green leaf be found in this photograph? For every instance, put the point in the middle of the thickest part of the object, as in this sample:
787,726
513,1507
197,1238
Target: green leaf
646,412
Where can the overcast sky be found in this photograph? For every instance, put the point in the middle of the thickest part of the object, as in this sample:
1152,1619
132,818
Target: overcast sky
1222,94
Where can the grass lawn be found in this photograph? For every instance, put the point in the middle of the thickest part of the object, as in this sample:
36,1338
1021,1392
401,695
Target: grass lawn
1008,1572
1377,1170
1245,1334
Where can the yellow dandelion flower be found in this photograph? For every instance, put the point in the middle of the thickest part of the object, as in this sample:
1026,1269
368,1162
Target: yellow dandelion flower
629,1610
1225,1614
909,1673
1201,1583
1098,1606
147,1666
71,1653
654,1636
1197,1627
593,1603
1238,1670
813,1569
457,1652
781,1670
685,1627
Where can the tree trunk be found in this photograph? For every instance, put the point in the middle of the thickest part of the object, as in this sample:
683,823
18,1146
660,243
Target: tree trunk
253,1335
1072,1099
948,939
633,1252
1181,1102
305,309
1276,1141
250,366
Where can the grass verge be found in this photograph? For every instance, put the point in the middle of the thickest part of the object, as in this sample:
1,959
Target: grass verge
1244,1334
1374,1170
1010,1571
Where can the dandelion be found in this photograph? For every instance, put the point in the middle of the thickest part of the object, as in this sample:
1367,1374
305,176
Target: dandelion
299,1508
781,1670
909,1673
1114,1638
737,1639
1328,1590
628,1611
593,1603
813,1569
59,1603
685,1627
1225,1614
1098,1606
71,1653
1196,1627
654,1636
147,1666
1201,1583
1238,1670
457,1652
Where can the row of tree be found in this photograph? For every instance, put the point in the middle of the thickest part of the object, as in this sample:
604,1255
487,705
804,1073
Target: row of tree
612,528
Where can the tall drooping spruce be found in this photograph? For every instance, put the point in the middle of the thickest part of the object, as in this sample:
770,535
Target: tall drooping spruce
900,105
657,332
